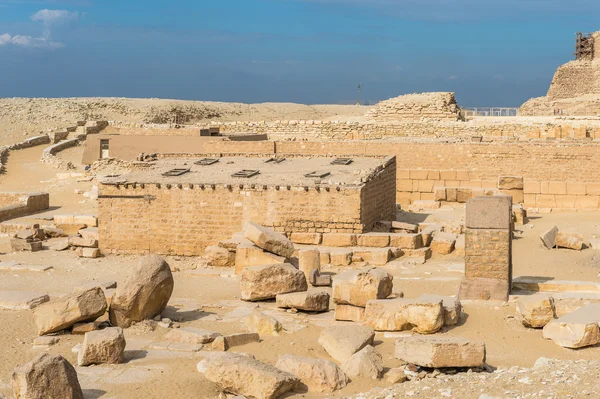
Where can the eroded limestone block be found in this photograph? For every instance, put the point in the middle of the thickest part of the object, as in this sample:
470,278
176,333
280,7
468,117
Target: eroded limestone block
319,375
549,237
565,239
262,324
191,335
406,240
46,376
339,240
306,238
219,256
341,342
576,329
266,282
340,257
425,316
144,294
366,363
242,375
83,242
251,255
309,260
269,239
87,252
536,310
224,342
376,240
102,347
61,313
306,301
349,313
437,352
443,243
451,304
356,287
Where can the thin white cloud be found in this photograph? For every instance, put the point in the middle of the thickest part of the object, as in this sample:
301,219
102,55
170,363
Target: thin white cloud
55,17
28,41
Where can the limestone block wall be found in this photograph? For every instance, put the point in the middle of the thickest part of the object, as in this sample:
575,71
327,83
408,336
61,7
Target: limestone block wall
183,220
423,106
13,205
49,154
575,79
30,142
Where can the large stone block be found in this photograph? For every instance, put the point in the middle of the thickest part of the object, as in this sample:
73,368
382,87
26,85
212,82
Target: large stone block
339,240
377,240
102,347
366,363
406,240
576,329
46,377
306,301
219,256
443,243
267,281
61,313
438,352
425,316
269,239
357,287
451,304
349,313
144,294
263,324
510,183
476,288
243,375
251,255
569,240
319,375
306,238
536,310
341,342
191,335
490,212
308,260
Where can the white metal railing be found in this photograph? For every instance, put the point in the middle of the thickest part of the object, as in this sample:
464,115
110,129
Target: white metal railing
488,111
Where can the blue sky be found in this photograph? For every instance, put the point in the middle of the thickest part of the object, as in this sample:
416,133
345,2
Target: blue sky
491,53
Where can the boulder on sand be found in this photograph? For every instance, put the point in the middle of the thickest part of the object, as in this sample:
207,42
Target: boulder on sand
356,287
144,294
319,375
366,363
46,377
102,347
267,281
341,342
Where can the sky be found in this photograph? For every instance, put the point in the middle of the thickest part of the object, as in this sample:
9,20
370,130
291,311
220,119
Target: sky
491,53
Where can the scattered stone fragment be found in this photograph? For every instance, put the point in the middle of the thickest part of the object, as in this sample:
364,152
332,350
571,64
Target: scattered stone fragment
87,252
437,352
366,363
309,260
242,375
262,324
251,255
176,346
340,257
306,238
269,239
409,227
316,279
349,313
306,301
536,310
46,376
90,233
18,245
569,240
425,316
70,228
218,256
406,240
83,242
102,347
266,282
53,232
319,375
459,246
61,244
191,335
341,342
396,375
576,329
144,294
549,237
62,313
451,304
45,341
82,328
21,300
356,287
443,243
224,342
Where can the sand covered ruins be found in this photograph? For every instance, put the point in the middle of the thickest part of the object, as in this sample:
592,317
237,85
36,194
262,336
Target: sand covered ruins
153,248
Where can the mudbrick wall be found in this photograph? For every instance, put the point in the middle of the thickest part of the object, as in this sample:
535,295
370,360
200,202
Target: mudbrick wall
14,205
183,220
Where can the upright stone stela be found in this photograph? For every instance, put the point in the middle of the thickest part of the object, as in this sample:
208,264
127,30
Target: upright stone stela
488,249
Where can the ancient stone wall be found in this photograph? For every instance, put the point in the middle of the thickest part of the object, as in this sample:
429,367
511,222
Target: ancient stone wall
13,205
575,79
416,107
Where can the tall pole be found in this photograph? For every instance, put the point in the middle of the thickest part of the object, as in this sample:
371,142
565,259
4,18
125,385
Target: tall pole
358,102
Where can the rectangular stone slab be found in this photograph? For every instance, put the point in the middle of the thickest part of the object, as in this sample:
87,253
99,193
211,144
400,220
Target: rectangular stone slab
21,300
577,329
489,212
437,352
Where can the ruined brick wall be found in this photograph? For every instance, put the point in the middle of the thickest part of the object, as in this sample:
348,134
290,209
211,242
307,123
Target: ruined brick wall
184,220
415,107
378,199
486,253
575,79
13,205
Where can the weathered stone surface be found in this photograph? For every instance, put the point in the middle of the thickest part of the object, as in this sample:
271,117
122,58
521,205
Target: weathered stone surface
87,252
52,232
510,183
376,240
269,239
440,352
90,233
443,243
412,228
319,375
62,313
339,240
366,363
251,255
317,279
306,238
459,246
356,287
242,375
102,347
489,212
309,260
18,245
536,310
60,244
451,304
45,377
396,375
340,257
45,341
83,242
341,342
144,294
486,289
379,256
219,256
565,239
191,335
262,324
349,313
576,329
425,316
70,228
266,282
406,240
307,301
82,328
549,237
223,343
21,300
